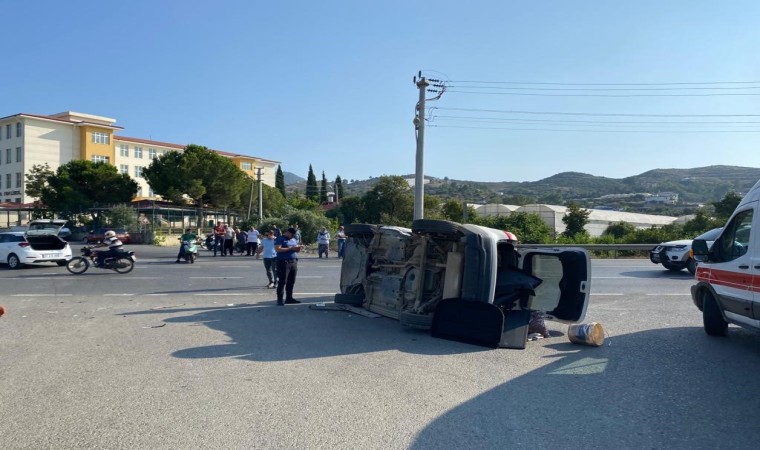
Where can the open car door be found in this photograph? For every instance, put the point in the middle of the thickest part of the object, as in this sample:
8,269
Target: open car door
565,275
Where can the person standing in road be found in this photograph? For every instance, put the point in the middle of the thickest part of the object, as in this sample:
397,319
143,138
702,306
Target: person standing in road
297,235
229,237
219,237
341,236
253,241
242,239
287,249
323,242
267,248
275,231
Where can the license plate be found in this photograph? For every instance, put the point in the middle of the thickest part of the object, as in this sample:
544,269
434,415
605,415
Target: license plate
49,255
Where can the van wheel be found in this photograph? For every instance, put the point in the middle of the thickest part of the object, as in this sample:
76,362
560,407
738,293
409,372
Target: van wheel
712,318
691,266
434,226
420,321
14,262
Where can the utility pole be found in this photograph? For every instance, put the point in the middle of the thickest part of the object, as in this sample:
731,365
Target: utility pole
250,200
419,174
261,200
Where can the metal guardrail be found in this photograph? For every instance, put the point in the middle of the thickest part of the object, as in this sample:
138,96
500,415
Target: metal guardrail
595,247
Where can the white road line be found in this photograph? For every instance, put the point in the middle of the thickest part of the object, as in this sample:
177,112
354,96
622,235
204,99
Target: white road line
155,295
214,278
41,295
118,295
221,295
669,295
39,278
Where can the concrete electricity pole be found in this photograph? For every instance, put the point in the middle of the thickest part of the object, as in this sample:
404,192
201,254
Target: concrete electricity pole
261,200
419,174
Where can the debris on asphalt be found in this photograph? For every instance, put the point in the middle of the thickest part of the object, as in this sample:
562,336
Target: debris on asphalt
156,326
342,307
591,333
167,307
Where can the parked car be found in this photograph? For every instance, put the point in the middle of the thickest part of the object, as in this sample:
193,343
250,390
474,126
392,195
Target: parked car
676,255
40,243
98,234
728,273
464,282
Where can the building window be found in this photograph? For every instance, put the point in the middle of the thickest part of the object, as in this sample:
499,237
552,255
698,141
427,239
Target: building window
123,150
8,131
18,154
101,159
151,193
138,152
18,129
152,153
7,181
123,168
247,166
18,179
8,155
138,171
100,138
18,200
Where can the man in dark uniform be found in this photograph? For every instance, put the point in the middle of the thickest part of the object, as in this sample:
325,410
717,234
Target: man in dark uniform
287,249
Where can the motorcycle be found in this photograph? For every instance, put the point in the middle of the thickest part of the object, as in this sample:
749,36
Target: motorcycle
208,244
124,262
190,251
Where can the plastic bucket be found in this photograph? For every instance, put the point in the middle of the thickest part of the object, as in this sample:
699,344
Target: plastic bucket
586,334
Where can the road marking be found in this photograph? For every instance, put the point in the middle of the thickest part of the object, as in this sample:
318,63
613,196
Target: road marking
118,295
41,295
214,278
39,278
230,294
668,295
155,295
136,278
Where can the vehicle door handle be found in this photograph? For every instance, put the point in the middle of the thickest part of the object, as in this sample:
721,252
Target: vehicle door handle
744,266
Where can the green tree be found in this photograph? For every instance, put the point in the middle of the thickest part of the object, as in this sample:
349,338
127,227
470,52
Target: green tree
575,220
80,185
312,190
37,179
339,187
700,223
279,180
298,201
453,209
529,227
122,216
619,230
198,173
351,210
389,202
273,203
726,206
323,189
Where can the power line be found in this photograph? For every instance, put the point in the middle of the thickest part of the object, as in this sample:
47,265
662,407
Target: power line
558,113
607,84
731,94
606,122
523,88
599,131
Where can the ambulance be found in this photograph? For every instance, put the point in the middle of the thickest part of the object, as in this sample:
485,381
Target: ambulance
728,271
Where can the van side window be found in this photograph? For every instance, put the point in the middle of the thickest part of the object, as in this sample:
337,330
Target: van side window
734,241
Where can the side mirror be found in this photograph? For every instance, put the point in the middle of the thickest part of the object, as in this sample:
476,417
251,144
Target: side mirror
700,249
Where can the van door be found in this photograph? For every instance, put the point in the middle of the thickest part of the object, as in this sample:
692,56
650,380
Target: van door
566,281
733,270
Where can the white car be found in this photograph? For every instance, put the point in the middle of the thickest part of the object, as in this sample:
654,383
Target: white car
40,243
676,255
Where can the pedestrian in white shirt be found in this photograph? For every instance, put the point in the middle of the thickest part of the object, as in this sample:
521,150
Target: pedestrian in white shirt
323,241
253,241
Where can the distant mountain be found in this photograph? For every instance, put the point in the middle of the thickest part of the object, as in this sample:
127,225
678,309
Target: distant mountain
698,185
291,178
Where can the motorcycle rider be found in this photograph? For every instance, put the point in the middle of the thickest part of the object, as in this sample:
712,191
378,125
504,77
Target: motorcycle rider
187,236
114,247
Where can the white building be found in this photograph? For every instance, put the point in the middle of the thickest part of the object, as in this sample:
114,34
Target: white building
27,140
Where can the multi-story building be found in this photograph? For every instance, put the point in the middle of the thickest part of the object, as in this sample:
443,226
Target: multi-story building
30,139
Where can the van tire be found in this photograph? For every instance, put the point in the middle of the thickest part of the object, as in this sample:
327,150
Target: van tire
434,226
691,266
360,229
420,321
712,318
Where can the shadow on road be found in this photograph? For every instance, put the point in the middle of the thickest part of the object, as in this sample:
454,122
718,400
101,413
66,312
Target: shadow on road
610,397
659,274
283,333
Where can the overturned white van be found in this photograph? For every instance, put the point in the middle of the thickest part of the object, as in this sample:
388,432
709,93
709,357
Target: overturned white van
463,282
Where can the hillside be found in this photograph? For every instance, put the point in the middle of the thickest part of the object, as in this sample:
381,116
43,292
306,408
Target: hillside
697,185
291,178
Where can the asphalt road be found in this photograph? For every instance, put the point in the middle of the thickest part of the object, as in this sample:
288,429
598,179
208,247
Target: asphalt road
198,356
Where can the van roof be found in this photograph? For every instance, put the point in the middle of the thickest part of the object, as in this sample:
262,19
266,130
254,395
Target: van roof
752,195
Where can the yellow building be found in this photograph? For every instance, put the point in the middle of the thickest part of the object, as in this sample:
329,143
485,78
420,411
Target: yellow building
31,139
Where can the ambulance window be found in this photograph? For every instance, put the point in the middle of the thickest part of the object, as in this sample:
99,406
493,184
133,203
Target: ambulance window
735,240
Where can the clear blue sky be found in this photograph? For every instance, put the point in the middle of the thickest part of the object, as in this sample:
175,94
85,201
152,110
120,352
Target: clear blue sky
330,82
